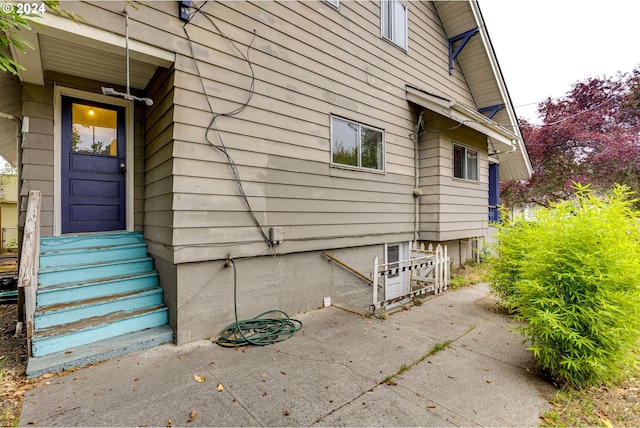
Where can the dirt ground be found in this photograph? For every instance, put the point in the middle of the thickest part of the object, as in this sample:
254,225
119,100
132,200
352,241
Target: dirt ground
13,362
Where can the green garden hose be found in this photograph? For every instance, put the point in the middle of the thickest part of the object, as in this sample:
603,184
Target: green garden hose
257,330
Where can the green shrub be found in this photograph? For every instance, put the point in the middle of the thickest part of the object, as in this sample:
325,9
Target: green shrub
572,275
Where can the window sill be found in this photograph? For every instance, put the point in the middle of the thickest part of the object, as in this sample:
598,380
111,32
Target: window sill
356,168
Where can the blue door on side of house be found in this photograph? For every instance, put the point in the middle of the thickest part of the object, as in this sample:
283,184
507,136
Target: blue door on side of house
93,166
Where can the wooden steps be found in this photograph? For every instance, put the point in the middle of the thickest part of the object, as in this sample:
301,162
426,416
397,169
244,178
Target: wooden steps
94,290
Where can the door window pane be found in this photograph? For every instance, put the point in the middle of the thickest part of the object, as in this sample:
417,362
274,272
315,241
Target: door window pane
94,130
393,256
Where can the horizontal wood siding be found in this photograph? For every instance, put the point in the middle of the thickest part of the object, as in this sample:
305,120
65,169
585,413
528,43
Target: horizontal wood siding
37,153
158,166
310,61
451,208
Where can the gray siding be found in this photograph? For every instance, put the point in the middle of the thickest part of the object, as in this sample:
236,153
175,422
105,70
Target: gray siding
310,61
451,208
37,153
158,166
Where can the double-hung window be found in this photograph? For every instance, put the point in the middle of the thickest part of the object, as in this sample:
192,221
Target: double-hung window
465,163
357,145
393,14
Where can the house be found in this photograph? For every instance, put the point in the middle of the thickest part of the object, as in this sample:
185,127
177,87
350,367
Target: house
8,210
262,134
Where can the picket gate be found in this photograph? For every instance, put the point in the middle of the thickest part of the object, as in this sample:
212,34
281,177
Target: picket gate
428,268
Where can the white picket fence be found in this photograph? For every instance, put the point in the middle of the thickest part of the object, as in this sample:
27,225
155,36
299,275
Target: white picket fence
428,268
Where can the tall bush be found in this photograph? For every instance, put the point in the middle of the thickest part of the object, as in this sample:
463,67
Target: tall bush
573,276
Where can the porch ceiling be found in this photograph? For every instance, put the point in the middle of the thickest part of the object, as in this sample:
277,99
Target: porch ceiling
91,62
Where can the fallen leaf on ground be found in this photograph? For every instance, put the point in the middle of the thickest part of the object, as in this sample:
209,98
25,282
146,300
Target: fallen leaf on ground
284,373
220,387
603,418
192,416
199,378
169,422
285,412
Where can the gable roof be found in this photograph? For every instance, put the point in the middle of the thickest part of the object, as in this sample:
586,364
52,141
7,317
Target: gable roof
478,63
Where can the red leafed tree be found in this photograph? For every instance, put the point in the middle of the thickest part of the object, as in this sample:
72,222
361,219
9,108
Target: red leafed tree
589,136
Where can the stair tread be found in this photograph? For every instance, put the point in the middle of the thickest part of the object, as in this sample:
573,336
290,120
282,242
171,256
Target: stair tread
57,287
53,269
95,300
92,322
65,251
99,351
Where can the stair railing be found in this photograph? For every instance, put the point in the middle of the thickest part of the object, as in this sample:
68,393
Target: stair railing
30,260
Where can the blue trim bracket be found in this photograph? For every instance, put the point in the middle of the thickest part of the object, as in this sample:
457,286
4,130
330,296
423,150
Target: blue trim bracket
491,109
464,38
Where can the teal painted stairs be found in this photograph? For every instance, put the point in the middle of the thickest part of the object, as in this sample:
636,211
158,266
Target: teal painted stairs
98,297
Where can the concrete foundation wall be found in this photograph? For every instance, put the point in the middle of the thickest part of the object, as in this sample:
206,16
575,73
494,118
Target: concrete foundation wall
293,283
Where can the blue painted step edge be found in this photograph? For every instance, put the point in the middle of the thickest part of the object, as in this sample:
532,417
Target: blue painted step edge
56,276
53,243
105,329
72,292
100,351
89,255
64,314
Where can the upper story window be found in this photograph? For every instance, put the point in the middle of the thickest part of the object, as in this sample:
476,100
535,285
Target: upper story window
357,145
465,163
334,3
393,14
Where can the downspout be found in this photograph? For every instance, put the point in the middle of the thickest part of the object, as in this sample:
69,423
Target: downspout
417,191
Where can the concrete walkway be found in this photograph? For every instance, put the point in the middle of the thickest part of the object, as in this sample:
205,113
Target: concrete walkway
331,373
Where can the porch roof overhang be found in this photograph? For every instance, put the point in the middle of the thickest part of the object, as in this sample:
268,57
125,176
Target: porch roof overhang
504,144
75,49
81,50
502,139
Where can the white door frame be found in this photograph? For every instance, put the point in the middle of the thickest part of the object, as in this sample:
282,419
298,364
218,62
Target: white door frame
59,92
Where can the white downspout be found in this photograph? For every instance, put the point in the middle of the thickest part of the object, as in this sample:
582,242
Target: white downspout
417,191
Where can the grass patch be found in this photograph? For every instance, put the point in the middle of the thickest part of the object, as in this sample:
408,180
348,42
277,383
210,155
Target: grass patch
403,368
469,273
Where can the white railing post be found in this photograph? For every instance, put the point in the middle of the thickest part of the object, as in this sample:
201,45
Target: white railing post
30,260
375,282
447,274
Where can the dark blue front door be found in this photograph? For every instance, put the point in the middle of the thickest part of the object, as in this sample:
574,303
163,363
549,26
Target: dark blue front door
93,166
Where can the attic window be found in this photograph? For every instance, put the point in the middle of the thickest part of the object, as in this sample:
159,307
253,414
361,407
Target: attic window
393,17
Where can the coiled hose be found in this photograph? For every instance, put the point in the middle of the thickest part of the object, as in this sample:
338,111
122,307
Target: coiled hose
257,330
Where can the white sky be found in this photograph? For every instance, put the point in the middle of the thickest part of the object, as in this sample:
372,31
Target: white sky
544,46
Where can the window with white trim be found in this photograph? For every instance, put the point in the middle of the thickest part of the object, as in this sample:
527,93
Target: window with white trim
465,162
356,145
393,17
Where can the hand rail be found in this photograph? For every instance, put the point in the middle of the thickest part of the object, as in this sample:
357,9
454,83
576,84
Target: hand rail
30,260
